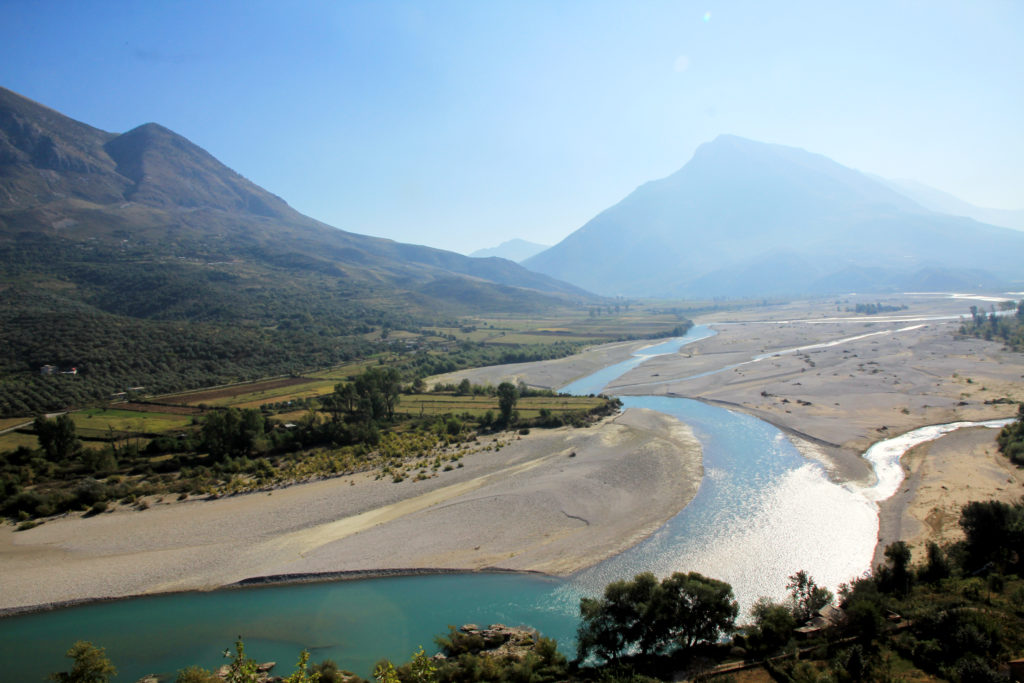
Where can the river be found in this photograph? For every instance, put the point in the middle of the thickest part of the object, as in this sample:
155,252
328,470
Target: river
762,512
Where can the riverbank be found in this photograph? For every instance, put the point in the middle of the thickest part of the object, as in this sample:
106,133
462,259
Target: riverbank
553,501
941,477
837,383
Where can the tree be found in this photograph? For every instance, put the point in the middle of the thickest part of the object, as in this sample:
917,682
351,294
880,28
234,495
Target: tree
91,665
682,610
231,432
772,628
898,554
806,597
620,620
464,387
377,391
57,437
994,532
508,394
696,609
937,567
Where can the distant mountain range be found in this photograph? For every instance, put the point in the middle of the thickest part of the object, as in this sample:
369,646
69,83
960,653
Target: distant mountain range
745,218
943,202
514,250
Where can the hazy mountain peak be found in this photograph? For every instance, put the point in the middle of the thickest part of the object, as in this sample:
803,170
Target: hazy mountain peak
943,202
736,217
514,250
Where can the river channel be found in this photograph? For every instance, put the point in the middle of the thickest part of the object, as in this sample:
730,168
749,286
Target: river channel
762,512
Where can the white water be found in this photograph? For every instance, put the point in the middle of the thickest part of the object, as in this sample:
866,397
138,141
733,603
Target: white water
884,456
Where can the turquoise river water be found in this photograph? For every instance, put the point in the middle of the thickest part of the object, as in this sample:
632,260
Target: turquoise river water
763,511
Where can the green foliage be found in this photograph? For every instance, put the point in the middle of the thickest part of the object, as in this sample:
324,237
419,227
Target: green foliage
682,610
806,597
330,673
508,394
1011,439
90,665
385,672
1007,328
895,577
57,437
994,533
195,674
466,661
772,628
937,567
231,432
301,673
241,669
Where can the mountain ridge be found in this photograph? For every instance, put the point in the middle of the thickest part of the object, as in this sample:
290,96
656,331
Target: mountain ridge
740,205
175,188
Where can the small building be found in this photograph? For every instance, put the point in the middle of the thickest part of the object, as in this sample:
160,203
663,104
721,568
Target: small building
827,617
48,370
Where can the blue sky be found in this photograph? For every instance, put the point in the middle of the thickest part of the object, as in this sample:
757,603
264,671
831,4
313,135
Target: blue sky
462,124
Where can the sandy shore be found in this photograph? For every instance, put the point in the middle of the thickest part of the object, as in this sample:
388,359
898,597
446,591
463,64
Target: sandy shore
942,476
888,379
553,501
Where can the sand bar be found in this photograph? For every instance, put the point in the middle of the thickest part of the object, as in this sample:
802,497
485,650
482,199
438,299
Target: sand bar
552,501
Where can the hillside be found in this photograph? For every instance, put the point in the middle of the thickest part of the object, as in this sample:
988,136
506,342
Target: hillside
746,218
141,259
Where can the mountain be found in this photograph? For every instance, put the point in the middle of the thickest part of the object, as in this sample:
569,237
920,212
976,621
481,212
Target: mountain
943,202
745,218
59,177
141,259
514,250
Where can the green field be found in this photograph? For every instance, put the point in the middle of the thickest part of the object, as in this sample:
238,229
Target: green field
9,422
254,399
12,440
345,371
97,423
530,407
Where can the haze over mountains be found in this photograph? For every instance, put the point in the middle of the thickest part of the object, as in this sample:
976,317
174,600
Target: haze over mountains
517,250
943,202
745,218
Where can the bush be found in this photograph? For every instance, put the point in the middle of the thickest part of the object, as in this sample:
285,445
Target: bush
194,674
91,665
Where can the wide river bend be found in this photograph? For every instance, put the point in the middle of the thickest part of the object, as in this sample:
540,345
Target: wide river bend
763,511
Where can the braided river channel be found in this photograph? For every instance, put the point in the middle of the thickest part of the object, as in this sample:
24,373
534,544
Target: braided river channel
763,512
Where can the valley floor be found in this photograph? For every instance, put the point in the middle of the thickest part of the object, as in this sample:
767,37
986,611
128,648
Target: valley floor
871,378
560,500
